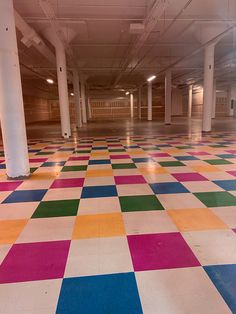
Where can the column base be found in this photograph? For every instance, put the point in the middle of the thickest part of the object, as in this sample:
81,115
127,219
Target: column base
167,123
18,178
206,131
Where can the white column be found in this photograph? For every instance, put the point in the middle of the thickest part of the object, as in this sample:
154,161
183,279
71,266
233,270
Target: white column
168,97
213,111
190,100
89,108
84,111
11,99
63,90
131,105
149,101
140,103
208,87
78,120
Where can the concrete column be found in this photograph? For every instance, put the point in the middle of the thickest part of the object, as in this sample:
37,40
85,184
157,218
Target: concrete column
140,103
190,100
89,114
89,108
149,101
78,120
84,111
168,97
208,87
11,99
213,112
63,90
131,105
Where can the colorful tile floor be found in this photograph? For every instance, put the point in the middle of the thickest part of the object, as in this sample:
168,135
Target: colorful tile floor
121,225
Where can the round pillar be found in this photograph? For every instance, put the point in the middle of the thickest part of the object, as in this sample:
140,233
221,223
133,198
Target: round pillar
131,105
208,87
11,99
77,98
190,100
63,90
168,97
149,101
140,103
84,111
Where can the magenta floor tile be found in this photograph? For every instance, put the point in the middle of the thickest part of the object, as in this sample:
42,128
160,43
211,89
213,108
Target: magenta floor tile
9,186
34,261
136,179
119,156
183,177
37,160
160,155
160,251
232,151
198,153
67,183
79,158
233,173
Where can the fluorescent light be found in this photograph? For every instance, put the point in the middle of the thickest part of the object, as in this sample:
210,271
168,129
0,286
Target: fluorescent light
127,93
151,78
72,94
50,81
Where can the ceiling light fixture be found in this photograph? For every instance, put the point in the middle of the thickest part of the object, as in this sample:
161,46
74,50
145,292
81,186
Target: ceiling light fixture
50,81
72,94
151,78
127,93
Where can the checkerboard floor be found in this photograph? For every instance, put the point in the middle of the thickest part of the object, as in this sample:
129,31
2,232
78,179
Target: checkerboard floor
121,225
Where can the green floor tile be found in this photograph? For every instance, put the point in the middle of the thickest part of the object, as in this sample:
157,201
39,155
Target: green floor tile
171,163
150,149
56,209
32,170
116,150
45,153
139,203
218,162
123,166
184,147
216,199
74,168
82,152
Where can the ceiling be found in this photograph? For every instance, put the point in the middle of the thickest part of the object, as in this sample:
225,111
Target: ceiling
171,34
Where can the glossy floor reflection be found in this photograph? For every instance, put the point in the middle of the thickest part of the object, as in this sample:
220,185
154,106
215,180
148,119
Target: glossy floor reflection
121,224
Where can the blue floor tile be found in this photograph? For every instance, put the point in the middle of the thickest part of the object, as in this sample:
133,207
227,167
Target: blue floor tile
53,164
25,196
182,158
227,156
99,191
99,162
228,185
224,278
137,160
168,188
105,294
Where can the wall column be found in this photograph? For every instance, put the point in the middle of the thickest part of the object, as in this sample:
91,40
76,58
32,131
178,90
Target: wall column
131,105
140,103
149,101
190,100
213,112
84,111
78,120
11,99
208,87
168,97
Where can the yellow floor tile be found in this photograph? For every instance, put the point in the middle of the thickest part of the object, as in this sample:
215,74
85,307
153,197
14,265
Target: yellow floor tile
10,230
96,226
99,173
152,170
209,168
104,154
196,219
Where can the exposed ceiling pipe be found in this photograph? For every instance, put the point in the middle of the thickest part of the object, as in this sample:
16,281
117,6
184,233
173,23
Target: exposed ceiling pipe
31,38
210,42
150,22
